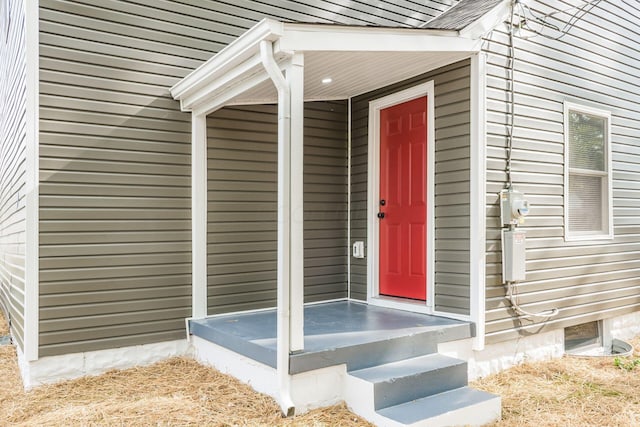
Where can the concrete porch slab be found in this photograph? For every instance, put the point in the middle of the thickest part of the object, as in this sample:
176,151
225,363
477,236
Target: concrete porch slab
357,334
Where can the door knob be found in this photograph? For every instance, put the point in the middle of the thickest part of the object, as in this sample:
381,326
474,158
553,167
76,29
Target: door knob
380,215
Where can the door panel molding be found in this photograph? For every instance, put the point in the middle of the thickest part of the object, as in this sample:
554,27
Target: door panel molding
402,225
373,196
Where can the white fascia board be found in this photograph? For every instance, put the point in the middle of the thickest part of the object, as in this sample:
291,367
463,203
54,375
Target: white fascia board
219,100
221,83
363,39
488,22
228,58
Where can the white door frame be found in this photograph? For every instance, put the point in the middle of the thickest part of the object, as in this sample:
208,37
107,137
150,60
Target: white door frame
373,196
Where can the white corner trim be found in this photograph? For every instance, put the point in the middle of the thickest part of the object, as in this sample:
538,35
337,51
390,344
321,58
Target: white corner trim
478,172
349,242
373,191
199,215
32,152
52,369
295,80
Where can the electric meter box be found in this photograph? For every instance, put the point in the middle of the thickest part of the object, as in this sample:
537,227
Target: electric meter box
514,255
513,207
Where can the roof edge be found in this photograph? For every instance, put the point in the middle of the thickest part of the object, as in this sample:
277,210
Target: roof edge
233,54
488,22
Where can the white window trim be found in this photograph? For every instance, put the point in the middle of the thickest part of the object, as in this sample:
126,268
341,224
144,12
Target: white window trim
606,234
373,195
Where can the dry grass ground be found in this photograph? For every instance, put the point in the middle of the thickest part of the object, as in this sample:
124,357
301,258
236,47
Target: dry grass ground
177,392
568,392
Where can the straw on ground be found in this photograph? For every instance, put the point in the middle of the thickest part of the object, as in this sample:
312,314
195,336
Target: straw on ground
181,392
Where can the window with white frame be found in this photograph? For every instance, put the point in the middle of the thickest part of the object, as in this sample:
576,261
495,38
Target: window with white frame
587,175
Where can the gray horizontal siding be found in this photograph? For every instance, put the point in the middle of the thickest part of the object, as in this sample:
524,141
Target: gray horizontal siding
595,64
114,178
115,157
452,282
242,205
13,166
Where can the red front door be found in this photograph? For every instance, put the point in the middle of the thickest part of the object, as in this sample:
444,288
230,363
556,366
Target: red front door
403,196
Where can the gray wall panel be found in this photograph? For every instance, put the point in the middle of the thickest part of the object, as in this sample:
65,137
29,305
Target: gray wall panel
242,219
452,115
115,178
587,280
13,166
116,148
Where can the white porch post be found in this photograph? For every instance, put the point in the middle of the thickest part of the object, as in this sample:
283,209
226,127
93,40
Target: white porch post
478,173
199,215
290,263
295,78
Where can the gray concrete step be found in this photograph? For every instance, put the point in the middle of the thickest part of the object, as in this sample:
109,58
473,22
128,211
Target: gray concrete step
462,406
413,378
386,348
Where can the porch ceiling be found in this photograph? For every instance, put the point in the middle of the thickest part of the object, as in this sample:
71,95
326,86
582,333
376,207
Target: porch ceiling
357,59
351,74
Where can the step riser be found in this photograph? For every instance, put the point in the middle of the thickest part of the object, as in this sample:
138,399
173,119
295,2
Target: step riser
367,355
404,389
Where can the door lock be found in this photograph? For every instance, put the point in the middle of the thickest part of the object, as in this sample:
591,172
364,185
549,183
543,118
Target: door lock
383,202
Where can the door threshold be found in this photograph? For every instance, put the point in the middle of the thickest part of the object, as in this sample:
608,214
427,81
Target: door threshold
400,304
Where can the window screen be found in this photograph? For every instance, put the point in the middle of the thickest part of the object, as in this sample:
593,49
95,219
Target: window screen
586,141
588,176
585,203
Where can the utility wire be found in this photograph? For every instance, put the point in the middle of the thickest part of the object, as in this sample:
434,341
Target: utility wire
512,295
542,20
512,95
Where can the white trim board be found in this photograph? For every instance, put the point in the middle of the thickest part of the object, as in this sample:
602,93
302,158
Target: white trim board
478,215
373,189
199,215
32,152
349,188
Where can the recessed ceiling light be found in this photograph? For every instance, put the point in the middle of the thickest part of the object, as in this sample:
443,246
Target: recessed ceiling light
327,80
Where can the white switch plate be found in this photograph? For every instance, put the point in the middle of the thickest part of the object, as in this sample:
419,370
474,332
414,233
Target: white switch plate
358,249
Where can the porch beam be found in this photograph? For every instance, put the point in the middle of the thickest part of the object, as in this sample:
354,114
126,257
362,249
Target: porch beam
295,79
220,85
222,99
344,39
199,215
241,49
